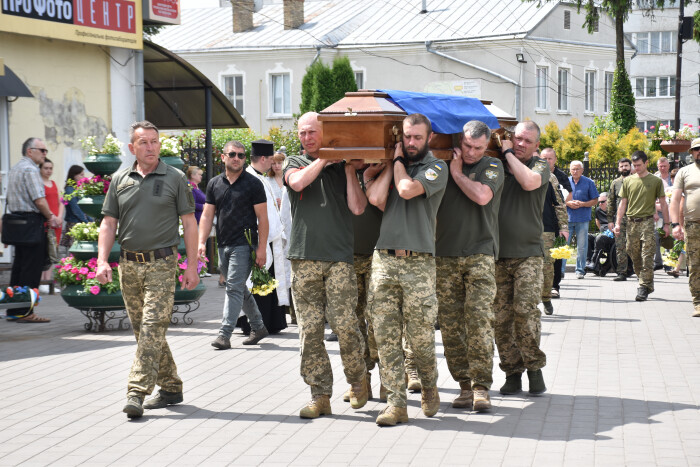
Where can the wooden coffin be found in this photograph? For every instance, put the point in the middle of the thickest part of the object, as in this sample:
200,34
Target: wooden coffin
367,125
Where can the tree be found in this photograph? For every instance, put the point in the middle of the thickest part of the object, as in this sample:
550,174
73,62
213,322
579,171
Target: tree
343,77
307,87
573,143
622,111
323,89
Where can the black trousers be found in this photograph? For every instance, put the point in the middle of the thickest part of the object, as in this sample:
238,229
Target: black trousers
27,267
557,274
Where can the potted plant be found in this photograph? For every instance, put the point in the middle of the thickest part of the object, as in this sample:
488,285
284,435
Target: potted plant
102,160
91,192
82,290
84,246
170,151
676,141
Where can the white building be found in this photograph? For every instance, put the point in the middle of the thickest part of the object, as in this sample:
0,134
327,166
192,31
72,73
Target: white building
653,67
536,63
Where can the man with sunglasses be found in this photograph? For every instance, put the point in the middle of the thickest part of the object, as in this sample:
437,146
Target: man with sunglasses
238,200
25,194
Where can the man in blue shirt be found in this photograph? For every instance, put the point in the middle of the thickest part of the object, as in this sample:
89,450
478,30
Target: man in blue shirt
583,196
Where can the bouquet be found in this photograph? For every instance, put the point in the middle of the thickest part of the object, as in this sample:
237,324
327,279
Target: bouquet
182,264
263,282
94,186
70,271
671,256
561,250
111,145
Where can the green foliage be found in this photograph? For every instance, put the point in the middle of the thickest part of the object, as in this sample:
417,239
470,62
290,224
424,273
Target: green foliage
150,30
634,140
622,100
605,149
323,89
286,138
343,77
307,84
601,125
550,136
696,26
280,137
573,143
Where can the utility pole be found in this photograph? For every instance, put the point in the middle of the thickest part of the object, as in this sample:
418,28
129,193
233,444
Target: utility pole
679,61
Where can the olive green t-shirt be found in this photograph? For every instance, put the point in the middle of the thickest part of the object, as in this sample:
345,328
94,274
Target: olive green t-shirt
366,227
148,207
321,219
520,215
641,194
465,228
614,197
410,224
688,181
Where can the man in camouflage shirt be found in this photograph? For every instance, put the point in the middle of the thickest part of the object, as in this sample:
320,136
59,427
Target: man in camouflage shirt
624,167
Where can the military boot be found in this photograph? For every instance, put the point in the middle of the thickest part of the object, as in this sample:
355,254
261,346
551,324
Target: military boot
482,401
412,380
346,395
536,379
163,399
513,384
642,294
133,407
391,415
466,396
430,401
320,404
358,393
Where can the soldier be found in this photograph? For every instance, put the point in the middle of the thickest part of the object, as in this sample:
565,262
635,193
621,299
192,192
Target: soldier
324,195
402,285
686,223
519,267
466,247
638,201
624,167
555,223
146,200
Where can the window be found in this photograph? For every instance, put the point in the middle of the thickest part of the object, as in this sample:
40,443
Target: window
563,90
652,125
608,90
656,42
360,79
567,19
233,90
655,86
590,91
281,94
596,21
542,87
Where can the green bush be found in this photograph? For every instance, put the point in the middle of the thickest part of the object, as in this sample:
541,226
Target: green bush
323,89
550,136
622,100
573,143
343,77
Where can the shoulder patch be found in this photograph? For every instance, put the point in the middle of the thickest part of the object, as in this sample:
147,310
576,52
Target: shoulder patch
491,174
431,175
493,164
437,166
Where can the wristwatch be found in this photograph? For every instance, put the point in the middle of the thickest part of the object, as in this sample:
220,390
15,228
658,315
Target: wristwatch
401,159
509,150
674,225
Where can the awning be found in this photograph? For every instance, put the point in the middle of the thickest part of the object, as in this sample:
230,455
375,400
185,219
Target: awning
12,86
175,94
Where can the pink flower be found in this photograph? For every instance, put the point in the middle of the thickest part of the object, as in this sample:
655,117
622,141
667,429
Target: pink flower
652,127
95,289
179,256
78,277
92,262
67,267
179,277
113,265
84,270
91,275
74,271
58,266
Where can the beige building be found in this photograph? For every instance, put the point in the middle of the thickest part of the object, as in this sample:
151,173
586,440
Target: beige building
536,63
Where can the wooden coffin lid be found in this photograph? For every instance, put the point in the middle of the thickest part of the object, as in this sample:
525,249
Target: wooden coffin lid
363,103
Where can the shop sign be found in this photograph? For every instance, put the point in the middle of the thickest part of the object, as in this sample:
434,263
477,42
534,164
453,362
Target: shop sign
108,22
161,11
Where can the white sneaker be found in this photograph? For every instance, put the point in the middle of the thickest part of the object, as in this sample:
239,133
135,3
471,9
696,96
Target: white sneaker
579,275
44,289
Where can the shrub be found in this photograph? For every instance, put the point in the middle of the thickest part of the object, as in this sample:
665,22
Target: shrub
573,143
550,136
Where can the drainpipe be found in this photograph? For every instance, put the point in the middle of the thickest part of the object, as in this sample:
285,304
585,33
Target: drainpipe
140,106
485,70
318,54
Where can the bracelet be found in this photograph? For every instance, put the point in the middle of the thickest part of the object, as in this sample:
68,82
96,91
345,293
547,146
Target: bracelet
674,224
370,180
400,159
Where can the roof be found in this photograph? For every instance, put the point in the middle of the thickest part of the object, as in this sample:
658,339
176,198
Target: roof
356,23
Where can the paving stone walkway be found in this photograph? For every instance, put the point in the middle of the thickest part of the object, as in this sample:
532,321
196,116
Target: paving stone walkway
623,384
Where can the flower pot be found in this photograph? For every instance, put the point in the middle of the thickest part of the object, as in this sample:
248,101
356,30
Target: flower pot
174,161
187,296
102,164
76,297
676,145
92,205
84,250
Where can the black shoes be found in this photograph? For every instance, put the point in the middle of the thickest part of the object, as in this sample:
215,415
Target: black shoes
548,308
620,277
332,337
642,294
513,385
536,379
163,399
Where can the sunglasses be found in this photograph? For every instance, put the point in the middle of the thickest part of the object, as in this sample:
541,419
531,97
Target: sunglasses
43,151
240,155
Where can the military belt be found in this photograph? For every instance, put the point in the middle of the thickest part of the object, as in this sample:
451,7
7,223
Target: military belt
639,219
146,256
404,253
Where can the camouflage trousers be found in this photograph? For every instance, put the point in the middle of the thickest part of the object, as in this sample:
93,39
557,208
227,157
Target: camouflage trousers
621,248
692,250
548,266
466,288
518,327
363,268
641,246
149,290
402,293
324,290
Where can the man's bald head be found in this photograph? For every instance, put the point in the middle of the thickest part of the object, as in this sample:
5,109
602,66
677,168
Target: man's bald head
310,132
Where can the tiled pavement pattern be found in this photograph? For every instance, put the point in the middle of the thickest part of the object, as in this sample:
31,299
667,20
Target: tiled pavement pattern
623,389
